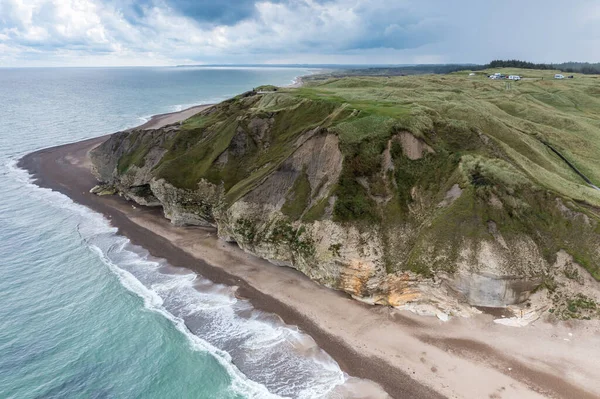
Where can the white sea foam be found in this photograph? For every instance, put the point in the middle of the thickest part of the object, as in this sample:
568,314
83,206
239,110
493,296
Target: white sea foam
154,302
273,355
144,119
94,225
262,338
213,100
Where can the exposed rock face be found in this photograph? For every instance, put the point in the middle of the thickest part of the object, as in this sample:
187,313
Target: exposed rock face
188,207
490,290
400,225
412,147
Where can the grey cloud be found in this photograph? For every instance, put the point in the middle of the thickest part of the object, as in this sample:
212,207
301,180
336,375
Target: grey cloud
393,31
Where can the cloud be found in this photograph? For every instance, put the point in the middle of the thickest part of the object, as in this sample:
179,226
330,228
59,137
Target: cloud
126,32
215,12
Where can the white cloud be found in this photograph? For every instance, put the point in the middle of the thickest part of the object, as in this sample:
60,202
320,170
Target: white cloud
332,31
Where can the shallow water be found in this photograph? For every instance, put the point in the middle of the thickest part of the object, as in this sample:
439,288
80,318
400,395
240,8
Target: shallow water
83,313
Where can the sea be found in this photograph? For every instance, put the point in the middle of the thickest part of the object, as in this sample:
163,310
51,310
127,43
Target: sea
86,314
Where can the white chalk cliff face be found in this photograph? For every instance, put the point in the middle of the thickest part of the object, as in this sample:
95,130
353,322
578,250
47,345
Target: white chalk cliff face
396,223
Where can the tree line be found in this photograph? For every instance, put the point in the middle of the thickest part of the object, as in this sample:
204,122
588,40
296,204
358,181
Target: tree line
570,67
576,67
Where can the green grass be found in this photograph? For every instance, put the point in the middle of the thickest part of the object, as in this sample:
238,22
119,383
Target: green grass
298,198
185,164
136,156
451,112
565,113
485,137
317,211
360,128
266,88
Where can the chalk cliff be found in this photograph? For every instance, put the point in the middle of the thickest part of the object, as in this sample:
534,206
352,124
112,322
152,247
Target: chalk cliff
393,208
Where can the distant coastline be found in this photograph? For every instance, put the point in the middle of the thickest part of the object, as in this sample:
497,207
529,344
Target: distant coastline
168,118
159,120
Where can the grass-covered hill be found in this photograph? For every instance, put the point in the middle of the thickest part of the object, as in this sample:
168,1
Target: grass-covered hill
564,67
521,119
355,179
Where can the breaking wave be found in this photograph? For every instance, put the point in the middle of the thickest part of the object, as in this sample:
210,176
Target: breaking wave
264,356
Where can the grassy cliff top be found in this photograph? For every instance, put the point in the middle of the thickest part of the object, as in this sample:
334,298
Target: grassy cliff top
449,112
520,118
515,153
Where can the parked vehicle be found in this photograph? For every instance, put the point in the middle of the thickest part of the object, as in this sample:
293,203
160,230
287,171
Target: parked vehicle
497,75
559,76
514,77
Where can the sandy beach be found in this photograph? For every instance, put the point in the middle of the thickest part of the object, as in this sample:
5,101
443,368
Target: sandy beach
410,356
172,117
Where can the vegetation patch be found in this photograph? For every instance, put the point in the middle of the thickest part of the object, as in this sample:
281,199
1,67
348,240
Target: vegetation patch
487,139
317,211
577,306
264,88
298,197
335,249
245,228
299,242
137,154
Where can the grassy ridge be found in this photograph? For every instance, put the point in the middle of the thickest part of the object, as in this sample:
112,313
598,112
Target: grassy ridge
564,113
503,128
488,137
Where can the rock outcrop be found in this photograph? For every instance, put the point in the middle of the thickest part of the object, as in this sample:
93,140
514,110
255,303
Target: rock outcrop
385,214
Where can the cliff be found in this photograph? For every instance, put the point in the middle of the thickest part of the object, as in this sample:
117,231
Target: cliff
429,190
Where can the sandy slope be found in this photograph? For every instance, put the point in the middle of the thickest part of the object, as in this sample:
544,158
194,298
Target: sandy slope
410,356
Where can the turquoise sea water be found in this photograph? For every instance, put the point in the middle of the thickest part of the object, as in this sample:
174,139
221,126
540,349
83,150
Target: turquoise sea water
83,313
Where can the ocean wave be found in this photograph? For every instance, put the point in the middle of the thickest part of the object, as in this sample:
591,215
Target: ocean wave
264,356
274,356
94,228
180,107
154,302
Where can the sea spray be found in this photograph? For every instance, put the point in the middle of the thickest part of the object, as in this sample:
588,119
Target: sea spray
271,359
278,356
69,327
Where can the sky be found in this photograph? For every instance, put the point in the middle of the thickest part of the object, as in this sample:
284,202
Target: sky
174,32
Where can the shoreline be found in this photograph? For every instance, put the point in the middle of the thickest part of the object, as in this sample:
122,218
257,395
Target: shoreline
408,355
168,118
349,360
160,120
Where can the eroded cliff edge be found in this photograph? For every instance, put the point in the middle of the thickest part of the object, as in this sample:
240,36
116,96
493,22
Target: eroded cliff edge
394,203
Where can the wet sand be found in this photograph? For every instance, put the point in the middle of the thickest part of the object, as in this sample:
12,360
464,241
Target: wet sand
408,355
